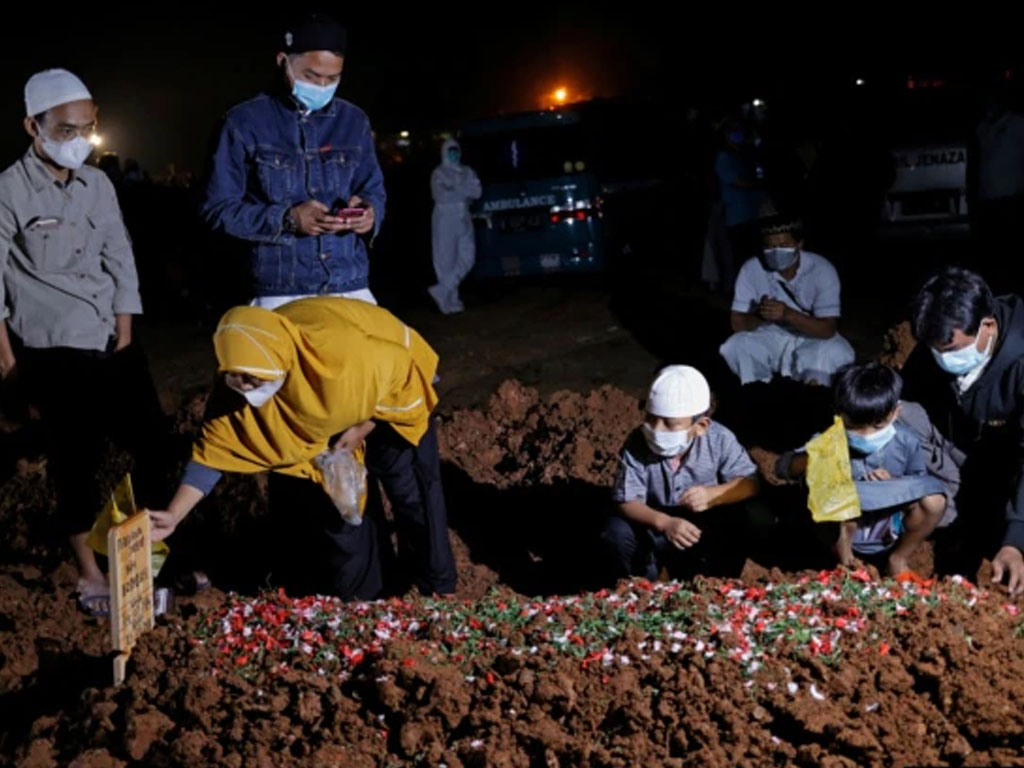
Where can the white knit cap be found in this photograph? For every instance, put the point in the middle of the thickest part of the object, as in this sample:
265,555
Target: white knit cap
51,88
679,391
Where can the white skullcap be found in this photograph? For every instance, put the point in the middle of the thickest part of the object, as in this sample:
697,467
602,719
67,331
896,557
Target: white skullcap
51,88
679,391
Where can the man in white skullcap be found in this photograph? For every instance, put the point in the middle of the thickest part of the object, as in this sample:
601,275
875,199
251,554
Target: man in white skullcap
785,312
68,290
681,476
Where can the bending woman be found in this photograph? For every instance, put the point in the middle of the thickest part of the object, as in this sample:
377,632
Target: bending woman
315,375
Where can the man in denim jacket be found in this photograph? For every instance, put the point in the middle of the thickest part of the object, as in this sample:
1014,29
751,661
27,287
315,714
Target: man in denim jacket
288,163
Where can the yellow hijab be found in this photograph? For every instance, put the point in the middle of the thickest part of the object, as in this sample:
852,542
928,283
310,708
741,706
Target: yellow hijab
345,361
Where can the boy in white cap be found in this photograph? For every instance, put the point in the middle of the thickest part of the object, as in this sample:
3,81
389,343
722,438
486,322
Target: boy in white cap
680,474
68,290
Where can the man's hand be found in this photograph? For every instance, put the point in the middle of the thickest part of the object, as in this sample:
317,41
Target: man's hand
8,368
771,310
698,498
123,329
878,474
682,533
314,218
1009,560
361,224
162,524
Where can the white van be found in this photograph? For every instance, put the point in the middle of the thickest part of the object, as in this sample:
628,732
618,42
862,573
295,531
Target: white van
928,193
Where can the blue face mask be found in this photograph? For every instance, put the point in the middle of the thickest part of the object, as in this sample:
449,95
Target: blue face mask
963,360
454,156
876,441
311,96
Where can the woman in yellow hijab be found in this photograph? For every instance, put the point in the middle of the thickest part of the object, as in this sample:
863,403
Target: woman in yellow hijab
318,375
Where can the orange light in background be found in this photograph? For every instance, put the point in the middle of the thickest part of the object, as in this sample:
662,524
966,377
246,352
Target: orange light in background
561,96
557,97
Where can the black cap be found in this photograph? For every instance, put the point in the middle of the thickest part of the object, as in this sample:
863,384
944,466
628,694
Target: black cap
315,32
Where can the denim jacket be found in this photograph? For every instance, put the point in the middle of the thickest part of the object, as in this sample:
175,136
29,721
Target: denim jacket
271,156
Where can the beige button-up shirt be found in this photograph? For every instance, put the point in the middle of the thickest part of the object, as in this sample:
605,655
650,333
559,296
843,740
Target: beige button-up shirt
65,258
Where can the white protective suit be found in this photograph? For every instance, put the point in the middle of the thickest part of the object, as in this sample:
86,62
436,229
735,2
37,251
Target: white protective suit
454,186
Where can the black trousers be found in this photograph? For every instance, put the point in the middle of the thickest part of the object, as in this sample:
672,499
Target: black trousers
84,399
727,533
411,478
988,484
315,551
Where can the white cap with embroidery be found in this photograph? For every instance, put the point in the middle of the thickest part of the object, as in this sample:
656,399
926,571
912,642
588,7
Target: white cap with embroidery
51,88
679,391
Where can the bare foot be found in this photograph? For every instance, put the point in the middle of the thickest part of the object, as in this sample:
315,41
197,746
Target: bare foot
94,596
844,548
90,587
202,580
897,564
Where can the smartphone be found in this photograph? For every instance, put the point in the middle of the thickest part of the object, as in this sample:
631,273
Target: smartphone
349,213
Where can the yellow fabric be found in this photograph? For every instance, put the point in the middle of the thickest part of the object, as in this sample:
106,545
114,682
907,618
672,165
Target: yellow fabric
119,508
831,494
346,361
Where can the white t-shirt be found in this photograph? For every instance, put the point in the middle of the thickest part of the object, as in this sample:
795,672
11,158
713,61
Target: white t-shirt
273,302
814,287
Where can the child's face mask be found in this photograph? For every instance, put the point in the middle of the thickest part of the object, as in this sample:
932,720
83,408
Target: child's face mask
665,442
874,441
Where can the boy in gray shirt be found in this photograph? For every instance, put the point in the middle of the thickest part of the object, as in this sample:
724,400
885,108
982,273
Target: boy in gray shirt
673,470
901,499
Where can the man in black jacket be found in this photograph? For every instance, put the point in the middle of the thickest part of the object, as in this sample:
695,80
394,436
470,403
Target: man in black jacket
968,372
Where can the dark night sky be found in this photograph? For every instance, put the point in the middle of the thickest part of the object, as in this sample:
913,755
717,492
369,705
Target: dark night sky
162,85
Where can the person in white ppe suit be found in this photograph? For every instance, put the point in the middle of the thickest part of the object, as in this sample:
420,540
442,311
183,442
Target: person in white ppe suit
785,313
454,186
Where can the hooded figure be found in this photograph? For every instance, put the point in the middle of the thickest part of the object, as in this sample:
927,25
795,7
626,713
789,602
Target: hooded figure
320,375
454,186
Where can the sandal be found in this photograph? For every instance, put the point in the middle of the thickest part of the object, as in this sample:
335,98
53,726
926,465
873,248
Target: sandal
95,605
99,605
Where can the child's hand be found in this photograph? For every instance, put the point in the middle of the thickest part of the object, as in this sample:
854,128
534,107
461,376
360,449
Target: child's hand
878,474
698,498
682,533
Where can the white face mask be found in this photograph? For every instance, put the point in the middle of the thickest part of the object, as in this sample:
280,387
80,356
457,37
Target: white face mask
259,396
778,259
665,443
67,154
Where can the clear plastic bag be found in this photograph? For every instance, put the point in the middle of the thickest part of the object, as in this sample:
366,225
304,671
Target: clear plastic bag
345,482
831,493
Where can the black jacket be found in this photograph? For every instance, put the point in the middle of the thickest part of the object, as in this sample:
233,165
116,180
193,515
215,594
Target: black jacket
990,414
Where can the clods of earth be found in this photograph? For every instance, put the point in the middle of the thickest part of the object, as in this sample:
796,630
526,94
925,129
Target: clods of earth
818,668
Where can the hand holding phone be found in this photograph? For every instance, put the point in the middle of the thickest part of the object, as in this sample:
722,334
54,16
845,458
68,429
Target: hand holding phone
349,213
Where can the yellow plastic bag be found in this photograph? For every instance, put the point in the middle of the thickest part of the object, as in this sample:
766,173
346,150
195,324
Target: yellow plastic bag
831,494
119,508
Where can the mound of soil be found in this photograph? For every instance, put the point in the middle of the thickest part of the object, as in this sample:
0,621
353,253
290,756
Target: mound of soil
717,674
810,669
